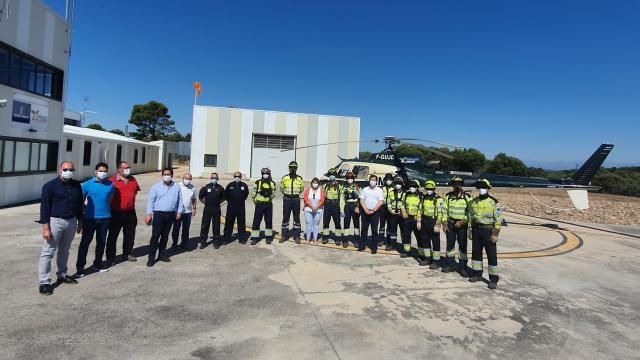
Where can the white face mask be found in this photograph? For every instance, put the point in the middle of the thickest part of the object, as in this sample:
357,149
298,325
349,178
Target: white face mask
482,191
214,181
331,178
429,192
67,175
315,185
388,182
349,181
413,189
373,183
236,179
265,176
101,175
126,172
186,182
398,186
167,178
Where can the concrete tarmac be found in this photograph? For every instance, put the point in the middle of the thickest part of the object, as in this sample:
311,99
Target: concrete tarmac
286,301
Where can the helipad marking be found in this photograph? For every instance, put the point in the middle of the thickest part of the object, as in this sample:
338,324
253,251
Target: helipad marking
569,243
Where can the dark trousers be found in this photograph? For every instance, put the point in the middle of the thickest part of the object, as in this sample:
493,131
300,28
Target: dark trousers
430,239
383,230
460,236
235,212
410,226
351,215
291,206
185,224
331,212
372,221
210,216
99,227
127,222
263,210
160,229
482,240
393,222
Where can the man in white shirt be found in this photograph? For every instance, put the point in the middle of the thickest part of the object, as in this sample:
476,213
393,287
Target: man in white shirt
188,192
371,200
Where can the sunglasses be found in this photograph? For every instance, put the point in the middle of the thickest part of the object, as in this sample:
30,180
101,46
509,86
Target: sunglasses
67,170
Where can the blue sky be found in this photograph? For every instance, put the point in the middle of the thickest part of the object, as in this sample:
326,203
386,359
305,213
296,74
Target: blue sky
546,81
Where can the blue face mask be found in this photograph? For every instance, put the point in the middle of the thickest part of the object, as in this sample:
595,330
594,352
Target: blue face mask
214,181
331,177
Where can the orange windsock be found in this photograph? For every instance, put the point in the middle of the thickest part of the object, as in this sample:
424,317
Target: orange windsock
196,85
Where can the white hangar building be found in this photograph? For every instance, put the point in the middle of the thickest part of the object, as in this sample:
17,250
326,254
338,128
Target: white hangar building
225,140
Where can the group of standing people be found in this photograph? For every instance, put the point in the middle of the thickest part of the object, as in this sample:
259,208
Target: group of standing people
103,206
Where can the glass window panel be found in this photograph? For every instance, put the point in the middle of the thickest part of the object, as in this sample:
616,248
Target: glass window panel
4,66
28,77
43,157
14,71
22,156
48,82
40,79
35,153
7,161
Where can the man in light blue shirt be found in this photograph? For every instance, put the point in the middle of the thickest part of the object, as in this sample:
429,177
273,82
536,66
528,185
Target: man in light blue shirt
98,192
164,207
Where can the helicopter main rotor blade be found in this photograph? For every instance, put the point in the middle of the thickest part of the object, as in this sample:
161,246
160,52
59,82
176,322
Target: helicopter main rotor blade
332,143
432,142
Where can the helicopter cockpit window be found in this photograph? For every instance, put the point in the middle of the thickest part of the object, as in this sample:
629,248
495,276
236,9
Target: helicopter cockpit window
361,172
344,169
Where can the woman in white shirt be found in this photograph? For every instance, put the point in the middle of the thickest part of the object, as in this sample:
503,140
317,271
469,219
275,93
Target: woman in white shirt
313,202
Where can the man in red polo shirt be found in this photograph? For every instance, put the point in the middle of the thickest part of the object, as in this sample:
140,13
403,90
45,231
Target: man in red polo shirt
123,213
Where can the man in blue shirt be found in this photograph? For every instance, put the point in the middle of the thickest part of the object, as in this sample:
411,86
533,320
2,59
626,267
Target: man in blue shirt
98,192
164,207
61,219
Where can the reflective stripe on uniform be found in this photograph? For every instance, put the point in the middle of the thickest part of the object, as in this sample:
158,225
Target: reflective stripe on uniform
357,232
423,251
325,232
451,253
476,265
462,256
435,255
268,232
407,248
255,233
493,269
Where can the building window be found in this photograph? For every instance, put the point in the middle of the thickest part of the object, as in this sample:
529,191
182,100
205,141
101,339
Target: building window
4,66
86,155
210,160
69,145
118,154
135,156
25,156
144,155
24,72
274,142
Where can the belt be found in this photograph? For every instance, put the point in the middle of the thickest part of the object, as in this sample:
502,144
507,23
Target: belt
291,196
165,212
63,217
264,201
352,201
428,217
332,200
454,220
483,226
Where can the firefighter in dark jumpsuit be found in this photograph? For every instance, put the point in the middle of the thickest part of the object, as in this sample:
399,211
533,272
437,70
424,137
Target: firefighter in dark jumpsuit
350,210
236,193
291,185
263,194
333,192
